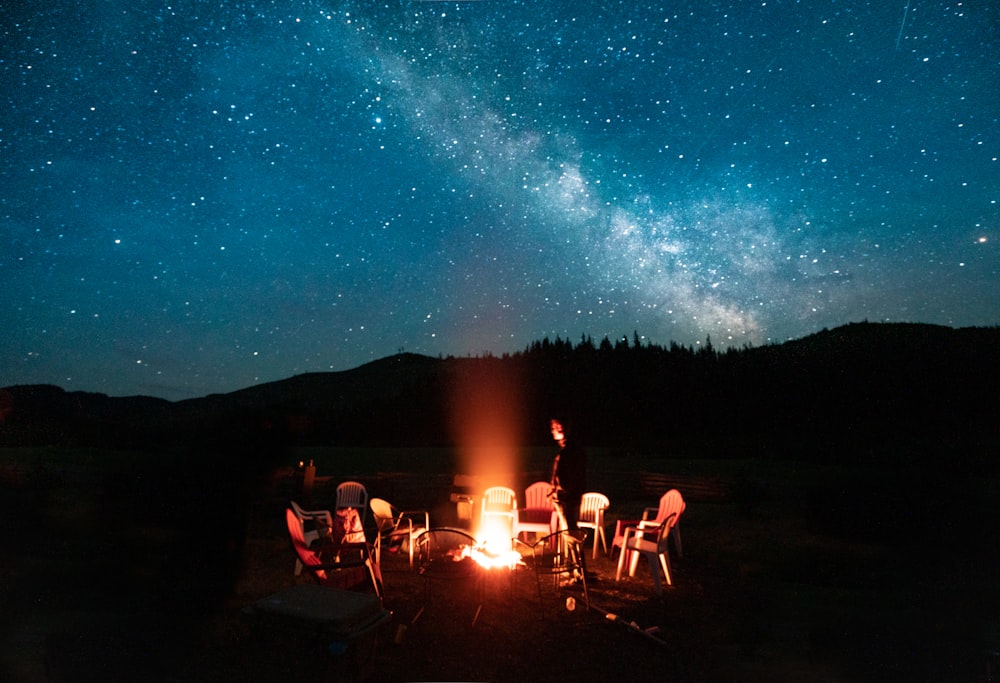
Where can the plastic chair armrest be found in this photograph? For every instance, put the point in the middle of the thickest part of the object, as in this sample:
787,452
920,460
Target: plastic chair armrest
364,550
628,532
410,514
318,516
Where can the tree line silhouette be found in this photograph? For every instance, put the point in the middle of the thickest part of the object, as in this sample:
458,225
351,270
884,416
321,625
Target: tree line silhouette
862,392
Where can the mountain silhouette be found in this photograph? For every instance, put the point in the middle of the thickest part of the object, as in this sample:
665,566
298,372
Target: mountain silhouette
858,391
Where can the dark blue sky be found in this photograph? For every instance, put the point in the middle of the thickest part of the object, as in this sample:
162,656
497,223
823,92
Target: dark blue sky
197,198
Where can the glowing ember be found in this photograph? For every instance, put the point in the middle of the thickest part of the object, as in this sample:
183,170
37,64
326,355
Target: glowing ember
489,558
494,549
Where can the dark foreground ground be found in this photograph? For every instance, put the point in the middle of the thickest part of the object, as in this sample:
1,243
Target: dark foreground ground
103,586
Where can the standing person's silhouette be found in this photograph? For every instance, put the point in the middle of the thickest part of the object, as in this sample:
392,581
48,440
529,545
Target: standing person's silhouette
569,472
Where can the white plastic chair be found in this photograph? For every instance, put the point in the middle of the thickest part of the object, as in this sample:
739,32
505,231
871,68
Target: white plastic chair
538,512
671,502
671,506
352,494
637,542
319,522
393,524
499,503
592,507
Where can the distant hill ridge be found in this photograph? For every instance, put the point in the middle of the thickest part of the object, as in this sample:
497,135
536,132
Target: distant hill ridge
870,385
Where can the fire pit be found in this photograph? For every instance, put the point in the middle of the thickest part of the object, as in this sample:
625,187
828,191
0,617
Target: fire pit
451,555
488,556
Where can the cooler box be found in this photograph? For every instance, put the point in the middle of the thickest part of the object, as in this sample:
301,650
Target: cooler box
328,613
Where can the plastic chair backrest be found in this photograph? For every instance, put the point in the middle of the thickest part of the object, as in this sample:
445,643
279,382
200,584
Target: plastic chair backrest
664,533
536,496
671,503
499,499
299,512
352,494
296,533
592,507
385,516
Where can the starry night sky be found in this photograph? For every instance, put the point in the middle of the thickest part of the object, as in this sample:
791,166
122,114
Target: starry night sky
197,197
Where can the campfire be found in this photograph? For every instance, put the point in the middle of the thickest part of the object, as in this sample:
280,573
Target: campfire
495,548
487,425
491,551
493,556
489,437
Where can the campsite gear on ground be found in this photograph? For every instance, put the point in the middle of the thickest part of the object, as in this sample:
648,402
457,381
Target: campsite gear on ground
649,632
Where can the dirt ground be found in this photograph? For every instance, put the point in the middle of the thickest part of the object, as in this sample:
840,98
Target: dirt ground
716,622
100,589
511,635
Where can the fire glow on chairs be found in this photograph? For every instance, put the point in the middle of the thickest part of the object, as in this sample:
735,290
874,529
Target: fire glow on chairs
499,512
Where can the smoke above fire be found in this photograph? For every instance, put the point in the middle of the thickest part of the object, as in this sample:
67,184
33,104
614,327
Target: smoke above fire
487,421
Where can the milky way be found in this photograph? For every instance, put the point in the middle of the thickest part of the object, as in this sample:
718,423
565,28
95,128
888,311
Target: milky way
195,199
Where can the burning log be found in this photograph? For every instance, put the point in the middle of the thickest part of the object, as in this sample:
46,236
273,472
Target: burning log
488,557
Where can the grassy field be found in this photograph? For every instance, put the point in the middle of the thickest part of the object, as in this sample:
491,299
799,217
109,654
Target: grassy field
117,565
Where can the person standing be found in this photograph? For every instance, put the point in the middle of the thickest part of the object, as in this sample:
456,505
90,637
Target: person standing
569,473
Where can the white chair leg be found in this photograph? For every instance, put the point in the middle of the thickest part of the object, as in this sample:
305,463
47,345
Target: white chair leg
298,567
600,538
618,539
676,532
621,564
665,565
633,564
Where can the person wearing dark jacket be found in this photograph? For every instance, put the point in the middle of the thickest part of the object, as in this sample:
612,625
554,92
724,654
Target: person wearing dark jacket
569,473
